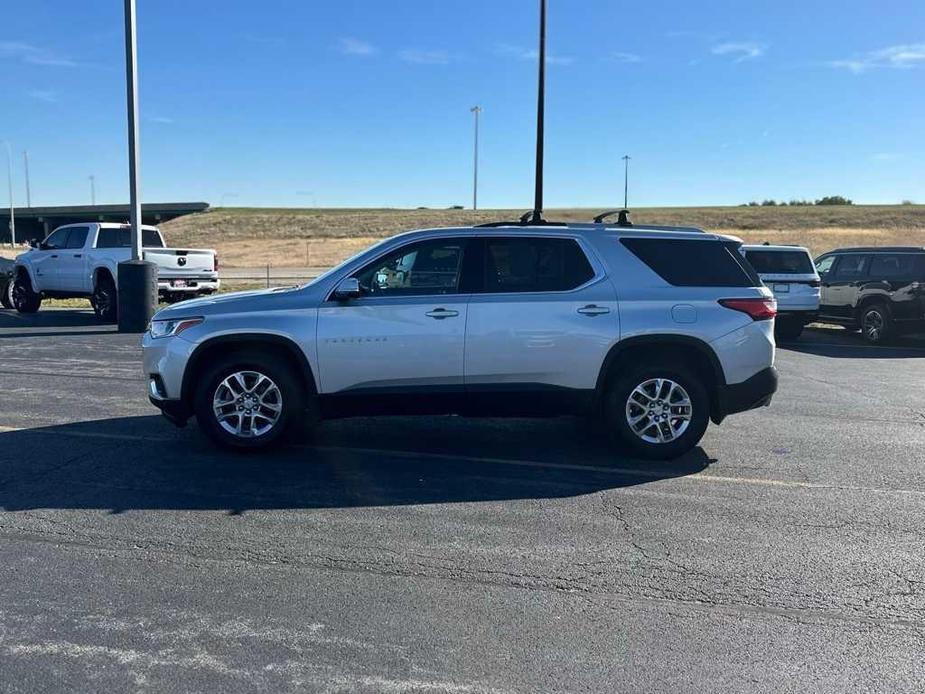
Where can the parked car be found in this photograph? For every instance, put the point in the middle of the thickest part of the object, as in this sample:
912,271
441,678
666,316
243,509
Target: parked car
655,332
789,272
879,290
81,260
6,275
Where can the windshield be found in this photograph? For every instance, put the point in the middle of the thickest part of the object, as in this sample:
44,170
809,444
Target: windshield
780,262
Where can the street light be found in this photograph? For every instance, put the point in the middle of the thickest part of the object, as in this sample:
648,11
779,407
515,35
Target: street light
475,167
25,163
9,164
137,278
93,191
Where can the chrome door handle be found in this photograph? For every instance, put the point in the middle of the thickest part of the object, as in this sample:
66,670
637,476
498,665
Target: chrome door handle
441,313
592,310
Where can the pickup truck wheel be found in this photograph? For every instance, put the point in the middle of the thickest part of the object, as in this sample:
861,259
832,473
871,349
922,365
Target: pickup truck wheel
104,299
660,412
24,299
249,402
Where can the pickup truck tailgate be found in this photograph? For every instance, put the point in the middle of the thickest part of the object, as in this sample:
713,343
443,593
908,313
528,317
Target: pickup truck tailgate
181,262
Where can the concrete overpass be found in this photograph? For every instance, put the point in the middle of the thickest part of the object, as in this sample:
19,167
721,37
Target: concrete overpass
37,222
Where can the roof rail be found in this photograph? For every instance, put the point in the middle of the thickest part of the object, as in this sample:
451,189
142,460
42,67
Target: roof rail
527,219
622,221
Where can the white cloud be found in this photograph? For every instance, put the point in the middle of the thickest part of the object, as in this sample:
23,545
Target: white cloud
352,46
45,95
903,56
532,54
740,50
33,55
414,55
626,57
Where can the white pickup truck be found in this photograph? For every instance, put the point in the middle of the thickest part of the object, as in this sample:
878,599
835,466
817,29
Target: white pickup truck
81,260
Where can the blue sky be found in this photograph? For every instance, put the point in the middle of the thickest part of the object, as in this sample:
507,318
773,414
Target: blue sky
366,103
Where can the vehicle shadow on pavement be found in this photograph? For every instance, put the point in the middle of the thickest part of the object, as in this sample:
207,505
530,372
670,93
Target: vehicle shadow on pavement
136,463
842,344
52,323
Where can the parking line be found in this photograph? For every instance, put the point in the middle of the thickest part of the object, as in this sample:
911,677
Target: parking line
510,462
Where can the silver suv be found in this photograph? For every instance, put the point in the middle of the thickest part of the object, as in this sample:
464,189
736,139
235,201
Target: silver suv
654,330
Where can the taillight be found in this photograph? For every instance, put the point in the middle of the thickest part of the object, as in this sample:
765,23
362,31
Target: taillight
814,283
758,309
216,262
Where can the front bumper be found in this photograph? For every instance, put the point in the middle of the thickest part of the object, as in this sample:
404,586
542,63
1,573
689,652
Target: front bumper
751,393
175,411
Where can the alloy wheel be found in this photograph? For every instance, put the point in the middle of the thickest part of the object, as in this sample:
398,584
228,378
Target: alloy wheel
247,404
873,325
658,410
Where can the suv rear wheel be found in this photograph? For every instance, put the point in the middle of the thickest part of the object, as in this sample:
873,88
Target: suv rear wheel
249,401
660,412
876,324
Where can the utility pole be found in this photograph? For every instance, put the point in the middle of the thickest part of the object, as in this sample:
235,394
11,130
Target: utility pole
626,180
93,191
475,169
25,163
9,164
137,283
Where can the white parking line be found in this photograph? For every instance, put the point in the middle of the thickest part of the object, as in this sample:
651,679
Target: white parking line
450,457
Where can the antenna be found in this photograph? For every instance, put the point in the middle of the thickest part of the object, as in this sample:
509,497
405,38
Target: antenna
536,217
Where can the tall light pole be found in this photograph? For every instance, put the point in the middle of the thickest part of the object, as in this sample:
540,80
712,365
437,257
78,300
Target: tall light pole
92,190
475,159
9,165
626,180
25,163
137,283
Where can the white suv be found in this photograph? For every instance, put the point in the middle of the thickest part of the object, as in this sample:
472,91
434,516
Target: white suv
657,331
790,273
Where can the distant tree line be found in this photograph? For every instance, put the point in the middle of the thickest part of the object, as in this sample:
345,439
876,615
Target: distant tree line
827,200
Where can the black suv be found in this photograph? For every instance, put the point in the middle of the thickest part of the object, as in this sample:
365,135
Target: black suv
879,290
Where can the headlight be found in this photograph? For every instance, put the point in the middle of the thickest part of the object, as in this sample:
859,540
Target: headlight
168,328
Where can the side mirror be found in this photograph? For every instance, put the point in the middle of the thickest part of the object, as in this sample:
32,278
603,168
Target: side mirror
34,243
348,288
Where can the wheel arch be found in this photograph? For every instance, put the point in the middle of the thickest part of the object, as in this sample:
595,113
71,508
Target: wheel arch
101,270
693,351
220,345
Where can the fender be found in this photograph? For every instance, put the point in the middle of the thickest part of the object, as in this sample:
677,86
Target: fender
286,343
660,340
30,273
110,266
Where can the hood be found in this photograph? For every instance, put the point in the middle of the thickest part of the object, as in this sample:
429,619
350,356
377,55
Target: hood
236,302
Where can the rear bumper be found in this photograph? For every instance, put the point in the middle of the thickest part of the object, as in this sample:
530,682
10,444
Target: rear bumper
751,393
194,285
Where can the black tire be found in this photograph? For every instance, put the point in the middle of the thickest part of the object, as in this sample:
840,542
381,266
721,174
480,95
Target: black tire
876,323
617,410
105,299
24,299
6,294
788,329
292,400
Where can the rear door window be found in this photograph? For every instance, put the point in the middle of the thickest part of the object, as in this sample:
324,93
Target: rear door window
689,263
77,237
518,264
780,262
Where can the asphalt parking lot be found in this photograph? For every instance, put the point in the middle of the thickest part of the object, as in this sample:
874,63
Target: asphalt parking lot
787,554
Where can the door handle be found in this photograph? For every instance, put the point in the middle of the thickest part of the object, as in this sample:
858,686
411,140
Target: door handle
592,310
77,255
441,313
54,256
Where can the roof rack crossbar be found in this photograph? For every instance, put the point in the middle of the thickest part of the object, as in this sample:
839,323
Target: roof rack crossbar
622,221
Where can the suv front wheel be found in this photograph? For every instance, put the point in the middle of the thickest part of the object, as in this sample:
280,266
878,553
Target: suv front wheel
249,402
660,412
